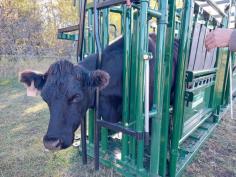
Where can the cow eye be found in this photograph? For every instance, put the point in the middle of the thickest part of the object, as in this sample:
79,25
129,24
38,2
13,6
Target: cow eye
75,98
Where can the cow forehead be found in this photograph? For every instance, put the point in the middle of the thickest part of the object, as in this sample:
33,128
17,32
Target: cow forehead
64,85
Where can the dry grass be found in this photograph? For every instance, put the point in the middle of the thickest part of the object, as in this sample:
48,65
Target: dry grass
23,122
10,67
217,157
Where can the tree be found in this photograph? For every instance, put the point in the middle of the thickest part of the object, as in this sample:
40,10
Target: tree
29,27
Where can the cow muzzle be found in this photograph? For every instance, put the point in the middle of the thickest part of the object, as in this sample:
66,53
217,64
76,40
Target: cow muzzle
51,143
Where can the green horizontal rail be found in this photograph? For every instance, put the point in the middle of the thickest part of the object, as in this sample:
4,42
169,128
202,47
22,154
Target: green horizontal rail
201,87
190,75
151,12
154,13
152,113
204,116
71,37
109,160
116,10
107,2
196,148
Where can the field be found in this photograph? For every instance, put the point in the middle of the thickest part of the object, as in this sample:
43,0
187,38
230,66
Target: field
23,122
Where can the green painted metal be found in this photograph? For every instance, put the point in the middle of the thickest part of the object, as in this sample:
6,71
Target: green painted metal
142,49
220,78
233,77
123,167
188,130
105,41
198,109
193,121
90,117
195,149
133,82
116,10
158,90
71,37
167,85
91,49
180,86
151,12
225,94
190,75
126,77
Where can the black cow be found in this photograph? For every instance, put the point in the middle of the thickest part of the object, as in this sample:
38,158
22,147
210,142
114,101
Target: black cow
69,90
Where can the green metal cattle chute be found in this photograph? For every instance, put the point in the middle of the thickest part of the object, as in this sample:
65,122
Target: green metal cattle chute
201,87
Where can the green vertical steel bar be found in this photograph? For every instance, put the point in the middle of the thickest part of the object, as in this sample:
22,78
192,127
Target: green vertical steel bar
216,98
225,94
133,84
105,41
90,32
180,86
213,89
217,94
229,93
105,27
187,54
126,77
123,20
231,81
90,114
167,85
224,98
158,89
85,45
143,45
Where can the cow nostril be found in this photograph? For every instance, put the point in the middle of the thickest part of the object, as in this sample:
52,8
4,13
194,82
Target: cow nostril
56,143
52,143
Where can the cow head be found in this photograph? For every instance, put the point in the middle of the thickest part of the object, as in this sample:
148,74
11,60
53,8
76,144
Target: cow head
68,90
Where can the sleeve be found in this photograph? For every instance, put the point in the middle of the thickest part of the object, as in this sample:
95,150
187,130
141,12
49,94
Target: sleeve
232,42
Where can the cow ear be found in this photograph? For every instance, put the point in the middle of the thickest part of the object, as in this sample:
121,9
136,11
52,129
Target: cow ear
99,78
33,80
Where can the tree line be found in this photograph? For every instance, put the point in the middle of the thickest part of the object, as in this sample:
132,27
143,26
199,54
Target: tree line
29,27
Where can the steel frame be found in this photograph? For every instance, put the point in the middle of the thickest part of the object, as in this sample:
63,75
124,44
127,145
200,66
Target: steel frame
139,155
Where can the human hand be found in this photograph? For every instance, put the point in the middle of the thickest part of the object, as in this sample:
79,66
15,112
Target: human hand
220,37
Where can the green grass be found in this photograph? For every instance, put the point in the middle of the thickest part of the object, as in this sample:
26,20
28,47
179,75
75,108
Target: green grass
21,129
23,122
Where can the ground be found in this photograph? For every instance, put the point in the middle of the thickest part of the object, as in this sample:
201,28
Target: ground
217,157
23,122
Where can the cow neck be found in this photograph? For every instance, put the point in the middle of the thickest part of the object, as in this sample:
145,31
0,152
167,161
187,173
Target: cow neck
90,64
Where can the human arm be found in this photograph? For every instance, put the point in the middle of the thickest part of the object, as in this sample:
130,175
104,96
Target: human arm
221,37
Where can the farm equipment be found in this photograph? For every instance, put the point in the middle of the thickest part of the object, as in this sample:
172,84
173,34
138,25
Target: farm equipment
202,85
